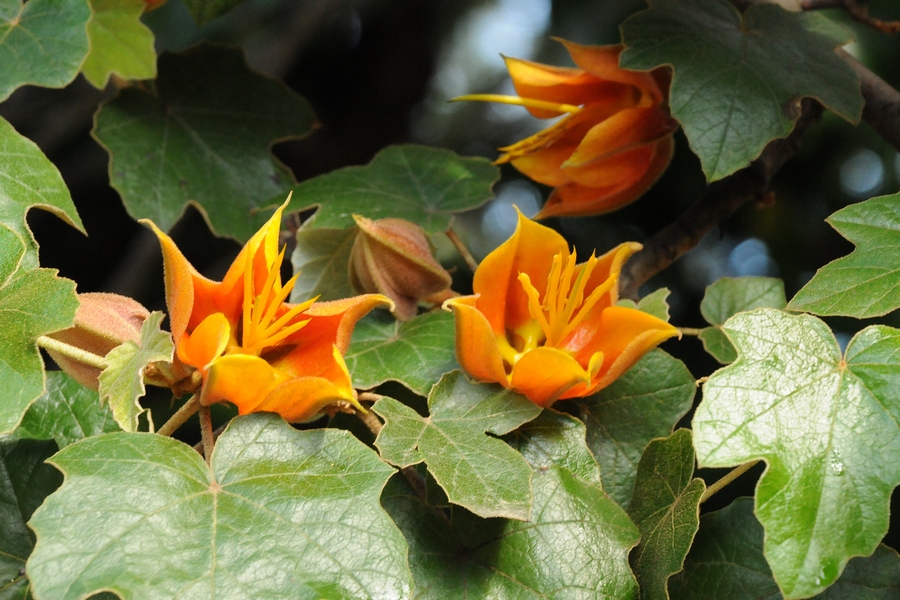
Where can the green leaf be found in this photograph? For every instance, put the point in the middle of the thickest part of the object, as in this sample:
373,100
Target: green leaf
322,256
863,284
643,404
25,480
122,381
280,513
42,42
32,303
729,296
417,183
826,425
119,42
28,178
477,471
665,507
66,412
415,353
202,138
204,11
737,79
575,545
653,303
726,561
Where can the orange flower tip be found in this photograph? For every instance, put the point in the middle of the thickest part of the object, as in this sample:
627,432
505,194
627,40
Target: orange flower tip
518,101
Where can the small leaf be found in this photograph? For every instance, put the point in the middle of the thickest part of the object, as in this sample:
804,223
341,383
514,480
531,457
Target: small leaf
66,412
665,507
32,303
826,425
204,11
28,178
415,353
25,480
729,296
865,283
202,138
322,257
653,304
122,381
737,79
42,42
477,471
575,545
644,403
119,42
417,183
280,513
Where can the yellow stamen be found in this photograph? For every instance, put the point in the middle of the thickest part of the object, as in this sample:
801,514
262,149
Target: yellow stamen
517,101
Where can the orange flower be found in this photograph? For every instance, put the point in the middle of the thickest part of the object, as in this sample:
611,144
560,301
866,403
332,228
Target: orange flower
546,327
612,145
252,348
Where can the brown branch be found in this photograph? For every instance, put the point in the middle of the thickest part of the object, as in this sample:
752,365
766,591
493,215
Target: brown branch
882,109
722,198
858,13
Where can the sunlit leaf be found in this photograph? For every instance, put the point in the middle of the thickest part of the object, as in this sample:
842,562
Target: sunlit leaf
575,545
33,302
826,425
727,297
865,283
323,258
737,78
42,42
476,471
66,412
665,507
280,513
119,42
122,381
202,137
416,353
25,480
645,403
417,183
654,303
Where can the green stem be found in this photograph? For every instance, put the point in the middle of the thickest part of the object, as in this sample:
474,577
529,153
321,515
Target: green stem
690,331
461,248
77,354
180,416
731,476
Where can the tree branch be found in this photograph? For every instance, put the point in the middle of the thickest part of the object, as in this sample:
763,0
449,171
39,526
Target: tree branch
858,13
722,198
882,110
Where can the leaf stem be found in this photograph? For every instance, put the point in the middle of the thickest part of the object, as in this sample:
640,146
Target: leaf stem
180,416
77,354
695,331
461,248
206,432
728,478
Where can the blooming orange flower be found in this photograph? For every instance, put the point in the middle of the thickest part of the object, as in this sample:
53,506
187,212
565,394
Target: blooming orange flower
546,327
612,145
252,348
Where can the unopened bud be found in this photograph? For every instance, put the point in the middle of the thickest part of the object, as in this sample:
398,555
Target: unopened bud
393,257
103,321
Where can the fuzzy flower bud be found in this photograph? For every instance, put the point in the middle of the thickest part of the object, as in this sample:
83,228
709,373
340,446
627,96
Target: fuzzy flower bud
103,321
393,257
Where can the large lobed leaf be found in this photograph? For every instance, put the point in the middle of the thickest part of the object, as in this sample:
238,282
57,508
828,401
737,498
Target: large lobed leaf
42,42
644,403
575,545
865,283
120,43
826,425
735,75
322,257
417,183
202,138
280,513
476,471
33,302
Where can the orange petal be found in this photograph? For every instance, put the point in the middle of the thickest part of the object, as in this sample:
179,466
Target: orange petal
206,343
613,173
476,344
603,62
263,246
334,321
302,399
501,297
242,379
627,129
545,373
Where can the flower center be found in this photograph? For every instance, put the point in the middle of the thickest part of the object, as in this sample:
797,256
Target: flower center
262,327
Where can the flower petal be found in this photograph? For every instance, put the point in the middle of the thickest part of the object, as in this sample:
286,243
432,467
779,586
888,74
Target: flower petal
476,343
603,62
206,343
301,399
242,379
333,321
626,130
545,373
